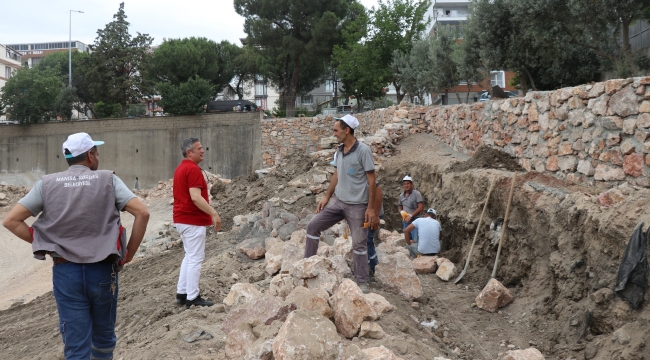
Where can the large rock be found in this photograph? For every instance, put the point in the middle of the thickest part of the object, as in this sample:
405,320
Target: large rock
624,103
241,294
351,308
391,248
316,272
269,242
253,248
291,254
273,258
307,299
425,264
379,303
307,335
633,164
396,273
343,247
493,296
285,231
371,330
257,311
341,266
281,285
446,269
606,173
527,354
262,348
380,353
238,341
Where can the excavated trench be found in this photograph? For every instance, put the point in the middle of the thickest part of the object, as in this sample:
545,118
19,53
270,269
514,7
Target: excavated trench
560,256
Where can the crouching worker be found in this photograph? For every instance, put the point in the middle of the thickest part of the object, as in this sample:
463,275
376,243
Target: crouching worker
350,196
429,235
79,227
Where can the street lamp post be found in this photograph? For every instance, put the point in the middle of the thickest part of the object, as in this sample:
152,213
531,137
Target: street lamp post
70,48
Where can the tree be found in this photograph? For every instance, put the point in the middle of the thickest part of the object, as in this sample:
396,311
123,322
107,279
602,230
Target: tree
245,68
294,38
64,102
31,94
82,89
118,62
188,98
178,60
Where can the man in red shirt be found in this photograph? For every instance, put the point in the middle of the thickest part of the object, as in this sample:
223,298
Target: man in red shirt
192,213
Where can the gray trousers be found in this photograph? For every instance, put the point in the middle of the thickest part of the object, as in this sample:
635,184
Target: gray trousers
354,214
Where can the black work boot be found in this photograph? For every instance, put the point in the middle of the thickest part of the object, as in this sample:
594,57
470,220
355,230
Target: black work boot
181,299
198,302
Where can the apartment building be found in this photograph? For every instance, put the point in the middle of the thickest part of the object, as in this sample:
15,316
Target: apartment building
10,61
32,53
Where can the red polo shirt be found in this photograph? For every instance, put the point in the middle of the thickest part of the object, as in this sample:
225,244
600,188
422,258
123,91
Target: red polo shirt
189,175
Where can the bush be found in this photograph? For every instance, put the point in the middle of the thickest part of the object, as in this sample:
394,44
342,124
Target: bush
104,111
188,98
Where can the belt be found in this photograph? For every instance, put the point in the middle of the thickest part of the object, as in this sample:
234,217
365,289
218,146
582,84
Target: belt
60,260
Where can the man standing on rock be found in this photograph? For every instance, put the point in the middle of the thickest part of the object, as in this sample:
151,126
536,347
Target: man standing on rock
429,231
411,203
192,213
79,227
353,190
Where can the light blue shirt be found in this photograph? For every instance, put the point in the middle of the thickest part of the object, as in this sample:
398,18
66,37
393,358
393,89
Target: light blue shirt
428,235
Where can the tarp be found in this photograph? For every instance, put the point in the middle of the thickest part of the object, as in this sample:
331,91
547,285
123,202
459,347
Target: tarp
632,276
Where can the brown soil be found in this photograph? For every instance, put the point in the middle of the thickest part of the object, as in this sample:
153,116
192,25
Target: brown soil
488,158
559,259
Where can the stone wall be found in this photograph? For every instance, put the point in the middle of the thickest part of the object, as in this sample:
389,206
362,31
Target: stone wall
597,133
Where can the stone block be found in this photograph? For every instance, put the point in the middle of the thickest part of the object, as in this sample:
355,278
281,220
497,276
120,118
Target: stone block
307,335
379,303
350,308
241,294
253,248
552,163
238,341
257,311
628,146
607,173
612,138
644,107
628,126
633,164
565,149
395,272
643,121
567,163
494,296
446,269
380,353
309,299
585,167
425,264
371,330
527,354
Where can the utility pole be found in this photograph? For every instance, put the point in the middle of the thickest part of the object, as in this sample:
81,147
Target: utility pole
70,48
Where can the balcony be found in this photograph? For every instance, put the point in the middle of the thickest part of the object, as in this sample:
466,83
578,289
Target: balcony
450,3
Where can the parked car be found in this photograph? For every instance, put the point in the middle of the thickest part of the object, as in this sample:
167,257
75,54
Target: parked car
485,95
9,122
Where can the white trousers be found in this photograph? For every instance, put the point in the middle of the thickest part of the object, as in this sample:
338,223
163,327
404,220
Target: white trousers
194,244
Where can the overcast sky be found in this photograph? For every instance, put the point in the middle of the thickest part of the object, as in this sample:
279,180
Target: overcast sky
47,20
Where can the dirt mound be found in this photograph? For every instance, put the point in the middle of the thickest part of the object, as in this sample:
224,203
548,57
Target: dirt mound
246,194
488,158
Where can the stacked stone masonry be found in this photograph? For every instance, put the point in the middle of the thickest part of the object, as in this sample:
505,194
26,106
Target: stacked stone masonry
597,133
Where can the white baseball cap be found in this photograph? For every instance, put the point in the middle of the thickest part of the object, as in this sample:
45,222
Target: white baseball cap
350,120
78,144
407,178
432,211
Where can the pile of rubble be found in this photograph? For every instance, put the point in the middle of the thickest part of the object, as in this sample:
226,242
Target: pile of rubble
310,305
10,194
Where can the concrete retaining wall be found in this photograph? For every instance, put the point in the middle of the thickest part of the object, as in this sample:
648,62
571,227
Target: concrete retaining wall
142,149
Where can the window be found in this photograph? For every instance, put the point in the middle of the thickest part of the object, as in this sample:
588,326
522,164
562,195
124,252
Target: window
258,102
329,85
7,72
498,78
260,89
306,99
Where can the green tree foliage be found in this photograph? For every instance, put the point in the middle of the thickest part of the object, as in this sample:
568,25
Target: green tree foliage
82,89
64,102
118,62
106,111
178,60
294,38
188,98
245,67
31,94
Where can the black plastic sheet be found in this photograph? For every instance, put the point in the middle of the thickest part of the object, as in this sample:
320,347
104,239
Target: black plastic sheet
632,278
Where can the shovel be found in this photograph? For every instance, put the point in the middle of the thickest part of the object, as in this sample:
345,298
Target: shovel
505,225
478,228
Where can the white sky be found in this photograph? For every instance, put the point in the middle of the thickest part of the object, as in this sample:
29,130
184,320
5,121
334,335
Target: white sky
47,20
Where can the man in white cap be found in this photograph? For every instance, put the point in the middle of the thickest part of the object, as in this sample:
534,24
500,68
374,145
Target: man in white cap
429,231
350,196
79,227
412,203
